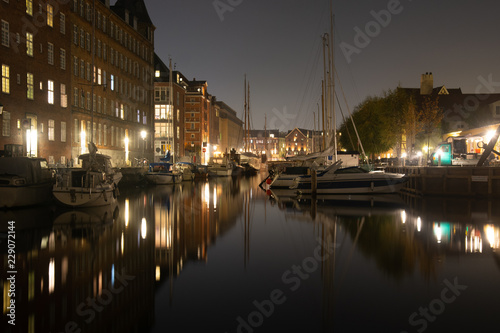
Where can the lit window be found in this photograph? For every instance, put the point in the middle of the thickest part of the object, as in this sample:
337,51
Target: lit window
63,131
50,92
50,15
29,86
29,7
64,97
29,44
5,33
50,132
157,73
5,79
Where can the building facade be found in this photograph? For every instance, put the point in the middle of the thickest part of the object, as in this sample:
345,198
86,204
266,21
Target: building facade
230,129
169,112
75,79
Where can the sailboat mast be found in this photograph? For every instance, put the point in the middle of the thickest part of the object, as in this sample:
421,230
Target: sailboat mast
245,115
323,111
248,116
332,74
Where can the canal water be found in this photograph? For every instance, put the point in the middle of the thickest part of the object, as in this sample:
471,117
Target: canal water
225,256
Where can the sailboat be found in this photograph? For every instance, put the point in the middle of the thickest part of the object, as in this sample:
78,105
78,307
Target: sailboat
334,179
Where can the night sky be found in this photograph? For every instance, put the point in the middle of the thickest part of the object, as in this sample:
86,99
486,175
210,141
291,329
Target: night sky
277,43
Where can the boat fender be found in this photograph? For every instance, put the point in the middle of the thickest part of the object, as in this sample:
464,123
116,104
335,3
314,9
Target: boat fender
72,193
104,195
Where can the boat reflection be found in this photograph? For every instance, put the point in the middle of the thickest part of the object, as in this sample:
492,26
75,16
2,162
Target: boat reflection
88,272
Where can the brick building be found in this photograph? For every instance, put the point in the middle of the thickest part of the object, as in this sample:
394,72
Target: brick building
35,79
50,88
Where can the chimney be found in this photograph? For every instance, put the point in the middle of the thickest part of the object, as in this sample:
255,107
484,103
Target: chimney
426,84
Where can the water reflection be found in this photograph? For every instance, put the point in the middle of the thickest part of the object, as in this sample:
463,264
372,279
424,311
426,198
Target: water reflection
207,256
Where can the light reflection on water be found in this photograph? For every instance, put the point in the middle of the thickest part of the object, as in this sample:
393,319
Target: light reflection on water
223,256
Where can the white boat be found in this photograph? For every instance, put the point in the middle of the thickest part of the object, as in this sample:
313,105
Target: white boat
24,181
220,170
250,162
163,173
352,180
94,184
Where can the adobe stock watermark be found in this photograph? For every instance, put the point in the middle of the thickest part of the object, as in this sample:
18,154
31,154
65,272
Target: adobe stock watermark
471,103
281,119
425,315
88,308
223,6
292,278
372,29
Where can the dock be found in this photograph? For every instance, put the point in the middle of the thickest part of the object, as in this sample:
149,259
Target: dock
483,182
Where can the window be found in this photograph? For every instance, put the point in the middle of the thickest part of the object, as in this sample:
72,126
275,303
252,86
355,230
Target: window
105,135
64,97
50,132
82,68
88,72
161,94
63,131
50,15
62,23
75,96
50,92
88,42
88,101
112,79
75,34
5,79
75,66
160,111
104,52
63,58
30,90
5,123
99,48
50,53
29,7
29,44
82,38
5,33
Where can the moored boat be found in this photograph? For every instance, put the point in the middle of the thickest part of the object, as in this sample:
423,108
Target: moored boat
24,181
163,173
94,184
353,180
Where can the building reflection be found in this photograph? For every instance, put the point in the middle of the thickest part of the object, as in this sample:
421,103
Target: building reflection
188,218
88,272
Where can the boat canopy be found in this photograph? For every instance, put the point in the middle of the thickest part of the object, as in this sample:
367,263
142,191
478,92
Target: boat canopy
33,170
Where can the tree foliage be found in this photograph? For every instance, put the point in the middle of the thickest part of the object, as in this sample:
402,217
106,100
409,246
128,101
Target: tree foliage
383,122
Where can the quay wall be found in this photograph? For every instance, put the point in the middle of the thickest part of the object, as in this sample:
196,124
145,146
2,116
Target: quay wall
483,182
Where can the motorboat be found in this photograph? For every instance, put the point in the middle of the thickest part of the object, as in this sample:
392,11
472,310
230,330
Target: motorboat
190,171
353,180
220,167
24,181
94,184
163,173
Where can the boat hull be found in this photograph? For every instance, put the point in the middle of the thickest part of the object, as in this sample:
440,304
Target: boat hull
367,184
163,178
220,172
27,195
85,197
